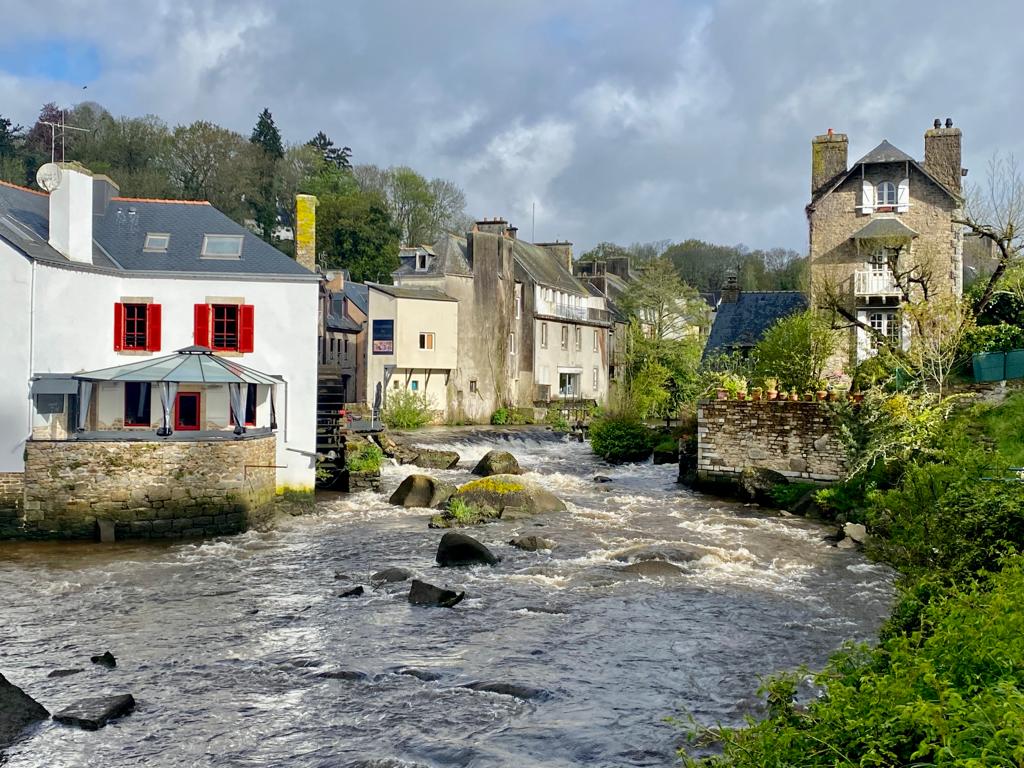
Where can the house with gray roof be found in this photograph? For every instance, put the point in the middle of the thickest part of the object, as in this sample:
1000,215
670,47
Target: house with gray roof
743,317
95,286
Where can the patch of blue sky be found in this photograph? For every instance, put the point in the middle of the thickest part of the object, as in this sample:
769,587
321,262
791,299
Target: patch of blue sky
69,61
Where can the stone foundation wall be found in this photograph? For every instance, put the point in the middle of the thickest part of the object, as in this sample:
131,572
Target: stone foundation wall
158,489
12,485
356,482
799,440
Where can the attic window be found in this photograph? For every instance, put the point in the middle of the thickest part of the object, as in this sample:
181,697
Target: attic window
156,242
421,262
222,246
886,195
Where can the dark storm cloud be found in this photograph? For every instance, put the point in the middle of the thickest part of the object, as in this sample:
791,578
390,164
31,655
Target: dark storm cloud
619,120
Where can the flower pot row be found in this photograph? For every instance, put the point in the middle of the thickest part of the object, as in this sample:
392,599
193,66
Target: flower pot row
756,395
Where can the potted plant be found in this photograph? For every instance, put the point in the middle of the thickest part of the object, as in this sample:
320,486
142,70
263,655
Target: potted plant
771,388
794,396
857,397
722,393
733,385
782,395
809,396
755,394
741,395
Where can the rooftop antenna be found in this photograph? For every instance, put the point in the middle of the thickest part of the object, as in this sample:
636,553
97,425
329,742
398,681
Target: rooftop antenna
533,226
62,127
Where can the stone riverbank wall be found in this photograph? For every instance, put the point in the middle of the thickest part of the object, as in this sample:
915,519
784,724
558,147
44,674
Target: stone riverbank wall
148,489
799,440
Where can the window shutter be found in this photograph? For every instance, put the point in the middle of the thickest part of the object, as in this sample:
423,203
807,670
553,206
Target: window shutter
867,198
246,328
153,327
202,325
118,326
903,196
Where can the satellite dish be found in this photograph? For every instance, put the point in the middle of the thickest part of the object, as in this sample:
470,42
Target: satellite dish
48,177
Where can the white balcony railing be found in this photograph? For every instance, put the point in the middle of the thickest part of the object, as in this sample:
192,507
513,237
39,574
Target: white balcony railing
869,282
558,309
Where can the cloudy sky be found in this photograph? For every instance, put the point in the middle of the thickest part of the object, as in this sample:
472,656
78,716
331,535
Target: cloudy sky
622,120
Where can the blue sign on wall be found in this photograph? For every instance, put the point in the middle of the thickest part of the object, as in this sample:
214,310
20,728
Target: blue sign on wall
383,337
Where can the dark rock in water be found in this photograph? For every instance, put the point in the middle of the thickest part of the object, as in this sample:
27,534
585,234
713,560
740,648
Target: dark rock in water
756,483
497,463
421,491
425,675
421,593
339,576
106,660
836,537
253,611
391,576
17,711
545,609
354,592
508,497
532,543
652,569
344,674
508,689
64,672
403,454
602,479
456,549
679,553
95,713
429,458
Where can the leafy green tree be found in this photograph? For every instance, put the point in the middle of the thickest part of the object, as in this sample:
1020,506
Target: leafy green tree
422,209
206,162
604,251
355,231
341,158
663,303
796,350
12,166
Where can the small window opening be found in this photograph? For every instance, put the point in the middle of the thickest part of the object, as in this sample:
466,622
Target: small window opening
157,242
222,246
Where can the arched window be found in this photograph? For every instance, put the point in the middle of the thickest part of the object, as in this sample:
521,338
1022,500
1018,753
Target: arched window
886,194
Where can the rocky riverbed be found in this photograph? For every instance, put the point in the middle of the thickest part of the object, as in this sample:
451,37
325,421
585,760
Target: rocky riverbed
642,601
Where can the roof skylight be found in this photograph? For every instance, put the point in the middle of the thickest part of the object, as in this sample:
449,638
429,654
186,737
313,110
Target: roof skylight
222,246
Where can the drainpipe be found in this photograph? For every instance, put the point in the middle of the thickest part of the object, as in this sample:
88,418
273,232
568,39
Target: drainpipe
31,341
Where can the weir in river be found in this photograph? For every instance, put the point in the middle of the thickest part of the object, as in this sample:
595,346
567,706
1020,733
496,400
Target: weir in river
225,643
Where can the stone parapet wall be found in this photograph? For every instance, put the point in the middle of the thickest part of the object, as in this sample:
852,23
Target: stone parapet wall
149,489
800,440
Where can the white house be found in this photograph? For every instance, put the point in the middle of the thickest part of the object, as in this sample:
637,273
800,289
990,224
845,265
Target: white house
99,293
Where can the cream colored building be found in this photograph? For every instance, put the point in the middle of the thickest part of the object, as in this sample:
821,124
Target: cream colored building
881,230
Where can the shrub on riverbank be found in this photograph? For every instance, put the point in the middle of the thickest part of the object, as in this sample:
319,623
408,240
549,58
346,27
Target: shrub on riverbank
950,693
363,457
619,439
406,409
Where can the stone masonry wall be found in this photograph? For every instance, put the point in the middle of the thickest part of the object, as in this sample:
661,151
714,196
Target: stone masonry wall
800,440
12,486
158,489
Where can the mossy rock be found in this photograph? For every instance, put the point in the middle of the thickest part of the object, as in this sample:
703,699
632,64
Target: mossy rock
501,491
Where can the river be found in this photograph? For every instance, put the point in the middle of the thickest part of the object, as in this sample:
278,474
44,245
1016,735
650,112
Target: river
224,642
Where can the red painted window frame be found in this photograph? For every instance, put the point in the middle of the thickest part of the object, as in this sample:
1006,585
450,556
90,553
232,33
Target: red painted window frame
199,402
151,317
245,327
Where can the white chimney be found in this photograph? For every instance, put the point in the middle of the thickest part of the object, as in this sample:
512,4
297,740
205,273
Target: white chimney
71,210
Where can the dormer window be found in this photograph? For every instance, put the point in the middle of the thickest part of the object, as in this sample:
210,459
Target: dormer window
222,247
156,242
886,195
421,262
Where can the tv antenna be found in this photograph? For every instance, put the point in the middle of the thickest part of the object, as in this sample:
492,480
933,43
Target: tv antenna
60,129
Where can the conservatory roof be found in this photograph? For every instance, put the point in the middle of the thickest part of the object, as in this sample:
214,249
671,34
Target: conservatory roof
191,365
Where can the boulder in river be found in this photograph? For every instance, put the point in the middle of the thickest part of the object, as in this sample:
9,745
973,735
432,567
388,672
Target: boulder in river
532,543
352,675
391,576
516,690
679,553
602,479
856,531
756,483
354,592
18,710
64,672
497,463
431,458
106,659
426,675
421,491
493,495
94,713
651,569
457,549
421,593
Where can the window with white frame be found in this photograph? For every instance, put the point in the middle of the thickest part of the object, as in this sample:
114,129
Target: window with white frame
427,341
543,335
221,247
579,338
887,324
885,194
519,300
595,340
512,344
565,337
421,262
595,379
156,242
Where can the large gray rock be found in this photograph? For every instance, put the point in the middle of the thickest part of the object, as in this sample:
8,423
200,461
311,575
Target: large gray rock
422,593
391,576
856,531
532,543
497,463
499,492
652,569
457,549
403,454
757,483
92,714
18,710
516,690
421,491
430,458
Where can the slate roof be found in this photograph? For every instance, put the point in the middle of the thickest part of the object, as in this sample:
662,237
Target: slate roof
743,323
545,269
884,227
428,294
359,295
120,233
447,256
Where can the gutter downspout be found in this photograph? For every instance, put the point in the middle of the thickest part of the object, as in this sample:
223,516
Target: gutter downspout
31,341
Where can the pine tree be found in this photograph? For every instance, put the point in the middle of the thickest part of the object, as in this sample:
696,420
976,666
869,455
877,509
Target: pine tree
266,135
340,158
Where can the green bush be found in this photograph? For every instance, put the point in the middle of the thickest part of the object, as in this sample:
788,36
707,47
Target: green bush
554,419
508,416
949,695
620,439
363,457
459,513
786,495
406,409
796,350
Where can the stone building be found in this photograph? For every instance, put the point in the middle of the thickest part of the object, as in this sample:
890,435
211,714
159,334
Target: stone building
881,230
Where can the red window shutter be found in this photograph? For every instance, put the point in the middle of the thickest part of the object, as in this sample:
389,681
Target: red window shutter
118,326
246,328
153,327
202,326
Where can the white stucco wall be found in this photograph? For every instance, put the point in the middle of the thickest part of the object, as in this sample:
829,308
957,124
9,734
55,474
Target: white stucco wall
550,361
74,327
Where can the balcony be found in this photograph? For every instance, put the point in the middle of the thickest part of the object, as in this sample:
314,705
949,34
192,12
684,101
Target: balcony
869,282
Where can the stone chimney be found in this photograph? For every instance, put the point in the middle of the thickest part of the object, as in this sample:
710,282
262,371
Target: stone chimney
71,209
561,251
305,231
495,226
942,153
828,159
731,289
